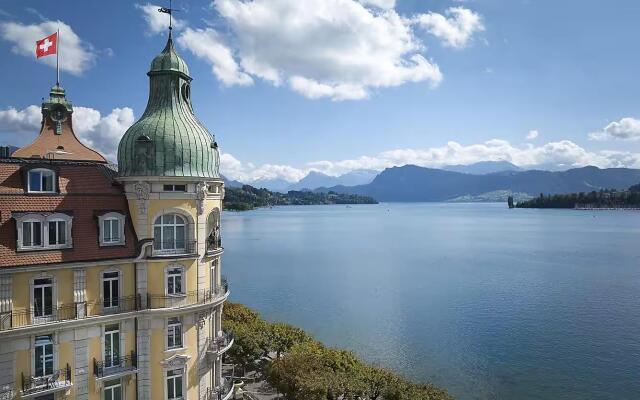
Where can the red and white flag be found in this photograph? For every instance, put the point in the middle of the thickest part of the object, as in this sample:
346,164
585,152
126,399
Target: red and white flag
47,46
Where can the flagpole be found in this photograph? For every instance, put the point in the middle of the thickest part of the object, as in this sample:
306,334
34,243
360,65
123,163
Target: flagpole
57,58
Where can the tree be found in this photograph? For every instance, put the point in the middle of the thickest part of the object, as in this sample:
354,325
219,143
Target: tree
282,337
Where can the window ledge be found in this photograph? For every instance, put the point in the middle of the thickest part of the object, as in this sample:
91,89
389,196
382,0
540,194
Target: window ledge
112,244
43,248
175,349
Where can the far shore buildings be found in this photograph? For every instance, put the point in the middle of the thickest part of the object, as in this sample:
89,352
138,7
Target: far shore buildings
110,280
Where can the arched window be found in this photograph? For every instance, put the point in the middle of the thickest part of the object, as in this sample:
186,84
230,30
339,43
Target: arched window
213,231
169,233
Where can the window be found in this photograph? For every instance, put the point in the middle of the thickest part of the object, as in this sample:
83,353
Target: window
32,234
174,333
57,233
110,289
174,280
174,188
113,390
43,231
169,232
43,355
111,346
111,229
42,297
41,181
174,384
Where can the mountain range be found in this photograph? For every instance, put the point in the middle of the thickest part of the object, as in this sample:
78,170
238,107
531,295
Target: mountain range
413,184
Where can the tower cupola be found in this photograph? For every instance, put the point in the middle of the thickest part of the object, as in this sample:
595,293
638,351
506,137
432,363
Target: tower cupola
168,140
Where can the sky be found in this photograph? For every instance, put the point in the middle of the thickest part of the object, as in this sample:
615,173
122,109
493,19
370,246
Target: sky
289,86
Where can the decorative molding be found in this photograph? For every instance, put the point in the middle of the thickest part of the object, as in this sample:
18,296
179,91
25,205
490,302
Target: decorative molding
201,195
142,194
176,360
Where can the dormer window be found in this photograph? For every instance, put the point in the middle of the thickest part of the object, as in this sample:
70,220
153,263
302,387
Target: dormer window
43,231
111,229
41,181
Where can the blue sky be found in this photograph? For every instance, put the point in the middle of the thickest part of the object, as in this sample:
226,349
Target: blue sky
354,84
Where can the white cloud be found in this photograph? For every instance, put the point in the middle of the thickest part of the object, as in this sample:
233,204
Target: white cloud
100,133
77,56
560,154
625,129
337,49
456,27
20,121
207,45
532,134
158,22
233,168
384,4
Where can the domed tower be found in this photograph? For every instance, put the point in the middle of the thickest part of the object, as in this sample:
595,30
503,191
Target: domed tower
168,163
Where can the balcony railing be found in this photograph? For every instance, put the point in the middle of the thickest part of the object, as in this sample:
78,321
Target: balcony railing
187,299
220,344
174,247
40,385
21,318
213,244
223,391
15,319
115,367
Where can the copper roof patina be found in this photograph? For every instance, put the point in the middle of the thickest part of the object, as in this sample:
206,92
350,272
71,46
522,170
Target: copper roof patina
168,140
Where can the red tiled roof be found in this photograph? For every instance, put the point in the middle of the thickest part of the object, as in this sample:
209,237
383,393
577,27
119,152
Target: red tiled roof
86,190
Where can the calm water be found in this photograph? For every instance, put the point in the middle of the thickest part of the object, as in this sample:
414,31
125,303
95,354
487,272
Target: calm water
488,302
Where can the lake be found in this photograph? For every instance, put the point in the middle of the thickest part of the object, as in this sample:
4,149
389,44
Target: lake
487,302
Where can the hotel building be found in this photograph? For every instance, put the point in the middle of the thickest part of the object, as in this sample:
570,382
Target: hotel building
110,278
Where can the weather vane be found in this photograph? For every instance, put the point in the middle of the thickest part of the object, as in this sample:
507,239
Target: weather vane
168,11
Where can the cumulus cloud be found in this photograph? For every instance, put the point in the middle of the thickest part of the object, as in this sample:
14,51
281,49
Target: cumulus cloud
336,49
384,4
78,55
158,22
625,129
456,27
559,154
207,45
101,133
532,134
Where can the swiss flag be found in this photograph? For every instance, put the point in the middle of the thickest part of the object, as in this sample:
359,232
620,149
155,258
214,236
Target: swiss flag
47,46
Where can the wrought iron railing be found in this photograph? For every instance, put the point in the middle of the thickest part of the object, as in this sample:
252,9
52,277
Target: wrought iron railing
221,391
21,318
27,317
109,366
219,343
59,379
174,247
188,298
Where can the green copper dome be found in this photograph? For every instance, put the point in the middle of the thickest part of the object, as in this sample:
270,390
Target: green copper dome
168,140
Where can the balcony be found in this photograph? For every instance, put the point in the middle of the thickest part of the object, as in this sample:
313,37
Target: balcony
115,368
194,298
220,344
174,248
213,244
28,317
224,391
34,386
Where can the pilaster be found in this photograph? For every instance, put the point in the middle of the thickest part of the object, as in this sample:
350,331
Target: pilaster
81,372
143,339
